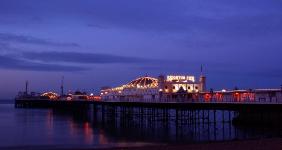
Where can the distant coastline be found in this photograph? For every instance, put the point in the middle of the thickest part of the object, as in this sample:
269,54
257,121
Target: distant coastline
6,101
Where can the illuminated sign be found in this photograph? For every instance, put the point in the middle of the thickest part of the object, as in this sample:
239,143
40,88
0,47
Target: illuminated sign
181,78
191,78
170,78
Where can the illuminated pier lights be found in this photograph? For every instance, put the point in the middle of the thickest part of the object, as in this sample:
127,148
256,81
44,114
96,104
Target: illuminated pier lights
161,88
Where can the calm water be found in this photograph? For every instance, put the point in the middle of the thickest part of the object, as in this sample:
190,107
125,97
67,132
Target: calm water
47,128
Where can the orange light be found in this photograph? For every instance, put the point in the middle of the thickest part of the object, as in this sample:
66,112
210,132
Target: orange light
207,97
237,96
95,98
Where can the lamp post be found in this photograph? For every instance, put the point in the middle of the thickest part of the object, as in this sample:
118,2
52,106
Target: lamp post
211,92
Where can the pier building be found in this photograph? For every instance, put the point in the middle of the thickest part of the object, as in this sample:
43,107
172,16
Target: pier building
150,88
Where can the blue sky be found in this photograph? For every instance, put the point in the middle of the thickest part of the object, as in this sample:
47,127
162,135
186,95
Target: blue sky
96,43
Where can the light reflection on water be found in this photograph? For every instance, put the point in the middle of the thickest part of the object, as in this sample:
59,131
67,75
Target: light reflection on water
47,127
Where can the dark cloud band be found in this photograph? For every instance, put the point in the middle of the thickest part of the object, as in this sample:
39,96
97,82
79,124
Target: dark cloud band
8,37
7,62
87,58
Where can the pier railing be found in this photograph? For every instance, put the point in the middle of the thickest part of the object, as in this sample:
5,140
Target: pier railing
246,97
197,101
262,97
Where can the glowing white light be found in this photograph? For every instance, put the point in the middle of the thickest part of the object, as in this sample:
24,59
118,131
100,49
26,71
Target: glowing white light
180,78
223,90
91,94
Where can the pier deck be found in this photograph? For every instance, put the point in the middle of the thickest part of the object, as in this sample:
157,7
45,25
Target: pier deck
242,113
234,106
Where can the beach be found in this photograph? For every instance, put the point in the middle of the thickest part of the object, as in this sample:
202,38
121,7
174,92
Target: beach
258,144
261,144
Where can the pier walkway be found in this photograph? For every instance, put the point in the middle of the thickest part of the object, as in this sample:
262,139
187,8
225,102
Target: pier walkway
170,105
243,113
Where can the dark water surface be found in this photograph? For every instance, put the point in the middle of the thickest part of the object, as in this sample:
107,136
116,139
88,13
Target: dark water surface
50,128
45,128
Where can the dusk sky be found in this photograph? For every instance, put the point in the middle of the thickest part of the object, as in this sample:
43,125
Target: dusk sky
95,43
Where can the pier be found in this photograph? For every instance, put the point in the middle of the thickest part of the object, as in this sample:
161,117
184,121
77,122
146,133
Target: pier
146,104
178,98
205,116
241,113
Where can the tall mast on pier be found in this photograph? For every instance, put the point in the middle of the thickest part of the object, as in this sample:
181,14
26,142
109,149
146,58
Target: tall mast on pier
201,70
202,81
26,87
62,86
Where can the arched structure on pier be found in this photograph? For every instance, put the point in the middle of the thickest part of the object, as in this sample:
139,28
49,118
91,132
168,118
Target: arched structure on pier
143,82
50,95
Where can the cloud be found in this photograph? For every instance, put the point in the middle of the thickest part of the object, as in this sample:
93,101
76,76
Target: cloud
7,62
87,58
8,37
189,16
250,26
3,45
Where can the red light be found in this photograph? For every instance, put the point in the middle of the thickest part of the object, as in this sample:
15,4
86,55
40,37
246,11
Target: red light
207,97
219,96
237,96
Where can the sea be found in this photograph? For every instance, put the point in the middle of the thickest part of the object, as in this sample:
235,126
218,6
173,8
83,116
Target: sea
33,128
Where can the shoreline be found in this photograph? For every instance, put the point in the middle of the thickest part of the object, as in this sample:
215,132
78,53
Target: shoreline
255,144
